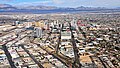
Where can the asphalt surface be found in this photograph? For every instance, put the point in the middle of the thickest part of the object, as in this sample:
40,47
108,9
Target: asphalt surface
59,39
9,57
40,66
76,63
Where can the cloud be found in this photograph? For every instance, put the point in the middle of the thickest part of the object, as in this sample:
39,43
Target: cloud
57,1
94,3
34,3
66,3
6,0
102,3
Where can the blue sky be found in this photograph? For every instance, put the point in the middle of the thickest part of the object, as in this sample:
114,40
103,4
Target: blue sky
65,3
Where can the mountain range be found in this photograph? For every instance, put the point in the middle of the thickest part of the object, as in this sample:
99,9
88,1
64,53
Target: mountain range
39,7
7,7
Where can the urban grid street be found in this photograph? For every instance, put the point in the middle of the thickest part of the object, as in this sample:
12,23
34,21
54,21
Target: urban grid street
86,40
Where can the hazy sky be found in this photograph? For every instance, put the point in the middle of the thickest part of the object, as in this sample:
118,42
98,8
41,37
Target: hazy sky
65,3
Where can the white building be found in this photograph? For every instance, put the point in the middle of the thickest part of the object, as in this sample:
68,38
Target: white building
65,35
27,24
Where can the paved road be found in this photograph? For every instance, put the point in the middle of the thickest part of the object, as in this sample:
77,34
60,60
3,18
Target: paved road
9,57
59,39
62,59
76,63
48,35
38,63
22,59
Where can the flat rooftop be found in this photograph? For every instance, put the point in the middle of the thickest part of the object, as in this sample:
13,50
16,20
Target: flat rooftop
85,59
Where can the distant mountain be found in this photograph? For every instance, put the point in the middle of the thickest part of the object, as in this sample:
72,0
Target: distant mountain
90,8
118,7
7,7
40,8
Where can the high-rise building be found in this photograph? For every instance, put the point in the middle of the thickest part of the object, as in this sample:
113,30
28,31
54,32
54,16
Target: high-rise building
16,22
38,32
39,24
27,24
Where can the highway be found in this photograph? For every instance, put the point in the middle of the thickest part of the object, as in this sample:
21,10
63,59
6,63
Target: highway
76,63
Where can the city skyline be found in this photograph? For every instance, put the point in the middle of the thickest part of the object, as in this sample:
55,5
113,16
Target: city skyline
65,3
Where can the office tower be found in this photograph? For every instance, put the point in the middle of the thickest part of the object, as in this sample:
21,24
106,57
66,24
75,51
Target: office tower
38,32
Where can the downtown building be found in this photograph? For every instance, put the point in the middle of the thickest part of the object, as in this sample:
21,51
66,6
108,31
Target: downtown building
38,32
